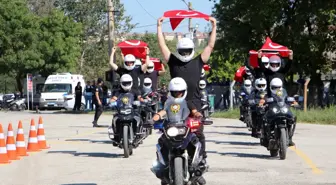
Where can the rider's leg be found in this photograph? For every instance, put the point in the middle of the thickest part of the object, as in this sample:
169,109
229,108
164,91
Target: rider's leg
241,113
291,134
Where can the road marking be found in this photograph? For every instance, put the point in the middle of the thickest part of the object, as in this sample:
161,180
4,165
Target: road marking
308,161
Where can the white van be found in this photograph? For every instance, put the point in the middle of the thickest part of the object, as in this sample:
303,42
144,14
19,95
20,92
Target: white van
58,91
38,82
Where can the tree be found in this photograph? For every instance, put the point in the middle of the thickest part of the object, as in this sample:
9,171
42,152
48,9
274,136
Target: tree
94,46
300,25
32,44
59,43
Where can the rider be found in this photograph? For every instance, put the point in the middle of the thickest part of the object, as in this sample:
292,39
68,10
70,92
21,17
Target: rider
276,86
244,93
248,74
202,86
129,68
126,83
275,69
175,110
183,64
257,94
153,74
258,71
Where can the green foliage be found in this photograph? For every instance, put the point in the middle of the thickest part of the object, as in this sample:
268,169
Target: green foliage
300,25
33,44
94,47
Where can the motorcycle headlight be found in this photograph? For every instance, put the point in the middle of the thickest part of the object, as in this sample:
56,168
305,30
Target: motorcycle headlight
126,111
284,110
172,132
275,110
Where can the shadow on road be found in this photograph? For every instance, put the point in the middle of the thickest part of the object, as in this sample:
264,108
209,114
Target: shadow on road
242,155
80,184
88,154
235,143
229,126
91,141
240,133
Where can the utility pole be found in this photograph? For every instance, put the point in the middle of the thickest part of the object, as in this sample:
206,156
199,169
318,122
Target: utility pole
110,25
190,27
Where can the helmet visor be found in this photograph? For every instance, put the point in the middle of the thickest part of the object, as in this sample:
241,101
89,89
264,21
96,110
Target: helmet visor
147,84
185,52
261,85
177,94
274,88
126,84
129,63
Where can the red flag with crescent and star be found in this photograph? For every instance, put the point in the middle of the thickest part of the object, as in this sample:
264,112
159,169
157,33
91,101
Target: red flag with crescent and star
177,16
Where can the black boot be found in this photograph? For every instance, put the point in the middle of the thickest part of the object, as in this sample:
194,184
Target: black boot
94,123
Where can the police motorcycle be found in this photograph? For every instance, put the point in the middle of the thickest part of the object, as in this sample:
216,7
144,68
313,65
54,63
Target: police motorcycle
127,131
179,161
258,108
245,108
13,103
279,123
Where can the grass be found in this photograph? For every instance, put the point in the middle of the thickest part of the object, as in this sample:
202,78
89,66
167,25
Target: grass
314,116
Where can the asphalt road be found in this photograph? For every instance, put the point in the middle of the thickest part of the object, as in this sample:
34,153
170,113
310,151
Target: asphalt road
82,155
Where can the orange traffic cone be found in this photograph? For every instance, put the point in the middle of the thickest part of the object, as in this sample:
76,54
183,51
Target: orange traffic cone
10,143
3,150
40,135
20,141
32,141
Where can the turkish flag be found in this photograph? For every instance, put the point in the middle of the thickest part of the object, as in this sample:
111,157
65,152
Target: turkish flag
253,59
134,47
177,16
239,74
270,46
157,63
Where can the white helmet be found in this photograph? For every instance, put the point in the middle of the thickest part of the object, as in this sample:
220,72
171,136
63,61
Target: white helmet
276,85
126,82
185,49
176,86
129,59
261,84
248,86
203,73
150,67
247,71
202,84
138,63
275,63
147,84
265,60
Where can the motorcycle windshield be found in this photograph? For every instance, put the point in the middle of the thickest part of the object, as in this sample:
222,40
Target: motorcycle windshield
279,98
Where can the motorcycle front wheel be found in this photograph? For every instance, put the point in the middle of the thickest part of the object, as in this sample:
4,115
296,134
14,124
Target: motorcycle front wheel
125,142
283,143
178,171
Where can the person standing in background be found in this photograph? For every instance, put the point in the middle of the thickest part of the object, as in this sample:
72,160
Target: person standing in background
88,95
98,101
93,94
78,96
105,89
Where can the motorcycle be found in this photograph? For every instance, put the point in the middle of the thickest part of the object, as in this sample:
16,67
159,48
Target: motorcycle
147,113
258,110
10,103
184,164
246,110
127,124
206,109
279,124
